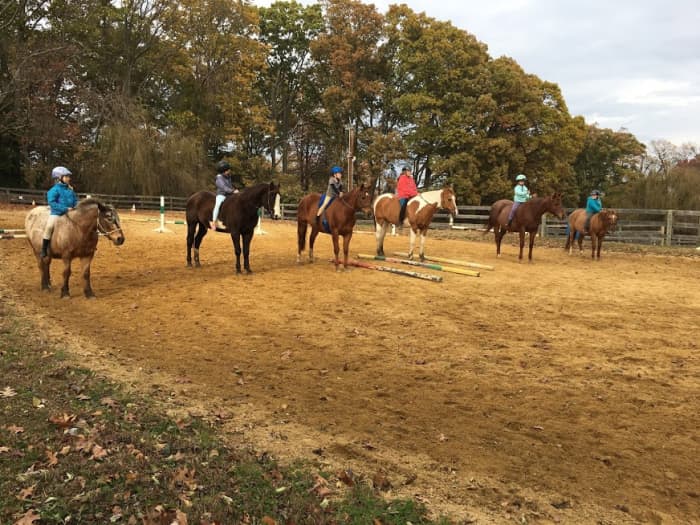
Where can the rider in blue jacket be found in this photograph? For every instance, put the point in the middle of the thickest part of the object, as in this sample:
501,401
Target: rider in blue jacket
61,198
593,205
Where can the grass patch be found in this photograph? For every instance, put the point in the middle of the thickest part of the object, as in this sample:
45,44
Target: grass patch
75,448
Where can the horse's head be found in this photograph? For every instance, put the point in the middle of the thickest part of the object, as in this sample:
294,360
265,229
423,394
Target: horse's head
364,199
448,201
272,201
108,223
555,206
609,217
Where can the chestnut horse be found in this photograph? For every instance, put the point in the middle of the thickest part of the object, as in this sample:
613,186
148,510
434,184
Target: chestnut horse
239,213
419,213
75,235
340,215
527,218
601,223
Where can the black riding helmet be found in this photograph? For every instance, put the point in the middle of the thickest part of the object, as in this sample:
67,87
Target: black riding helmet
222,166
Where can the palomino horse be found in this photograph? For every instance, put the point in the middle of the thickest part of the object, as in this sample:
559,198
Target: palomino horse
527,218
75,235
419,212
601,223
341,221
239,213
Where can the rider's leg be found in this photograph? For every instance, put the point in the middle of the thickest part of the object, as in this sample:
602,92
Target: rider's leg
48,232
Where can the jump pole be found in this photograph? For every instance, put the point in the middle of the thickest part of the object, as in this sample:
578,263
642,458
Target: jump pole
450,261
417,275
12,233
162,228
438,267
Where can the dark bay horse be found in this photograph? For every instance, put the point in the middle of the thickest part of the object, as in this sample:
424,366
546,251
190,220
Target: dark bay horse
341,220
419,213
239,213
527,218
74,236
601,223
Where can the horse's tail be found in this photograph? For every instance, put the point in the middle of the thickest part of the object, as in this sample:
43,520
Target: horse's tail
302,224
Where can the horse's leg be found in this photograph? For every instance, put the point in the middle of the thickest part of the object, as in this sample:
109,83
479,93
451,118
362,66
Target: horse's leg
580,242
570,241
411,243
236,239
600,243
201,232
66,276
421,254
380,233
532,243
247,237
498,233
346,249
522,243
312,240
594,242
336,251
301,238
44,267
191,227
87,287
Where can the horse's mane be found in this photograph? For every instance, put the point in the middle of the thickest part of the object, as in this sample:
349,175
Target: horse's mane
92,201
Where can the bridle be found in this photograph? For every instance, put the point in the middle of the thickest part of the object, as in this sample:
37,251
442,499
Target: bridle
101,230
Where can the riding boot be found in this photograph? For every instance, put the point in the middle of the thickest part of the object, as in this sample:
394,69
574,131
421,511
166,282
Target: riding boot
45,247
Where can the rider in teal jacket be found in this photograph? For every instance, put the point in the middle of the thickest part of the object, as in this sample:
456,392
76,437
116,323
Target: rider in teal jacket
60,198
593,205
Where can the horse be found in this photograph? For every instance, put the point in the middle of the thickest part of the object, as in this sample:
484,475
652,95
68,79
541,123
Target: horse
527,218
419,213
341,220
75,235
239,213
601,223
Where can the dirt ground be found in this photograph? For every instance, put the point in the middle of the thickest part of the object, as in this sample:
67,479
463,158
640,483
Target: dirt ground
564,391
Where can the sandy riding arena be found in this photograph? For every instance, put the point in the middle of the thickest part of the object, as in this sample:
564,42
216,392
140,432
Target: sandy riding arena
564,391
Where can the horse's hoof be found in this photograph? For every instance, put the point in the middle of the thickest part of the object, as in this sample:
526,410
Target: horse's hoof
189,265
90,296
65,296
249,271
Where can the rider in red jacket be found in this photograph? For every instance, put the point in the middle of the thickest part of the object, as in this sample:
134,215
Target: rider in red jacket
405,189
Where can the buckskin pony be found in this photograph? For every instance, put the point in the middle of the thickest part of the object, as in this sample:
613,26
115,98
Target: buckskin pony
601,223
239,213
419,214
528,218
340,215
75,236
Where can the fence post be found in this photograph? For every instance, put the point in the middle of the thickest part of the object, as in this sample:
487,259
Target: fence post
543,227
669,227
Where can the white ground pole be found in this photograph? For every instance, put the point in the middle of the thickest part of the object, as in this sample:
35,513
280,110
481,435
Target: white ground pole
162,228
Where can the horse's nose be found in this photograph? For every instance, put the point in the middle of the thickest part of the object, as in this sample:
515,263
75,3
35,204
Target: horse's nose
119,241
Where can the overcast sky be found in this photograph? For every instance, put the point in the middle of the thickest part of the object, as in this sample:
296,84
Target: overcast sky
619,63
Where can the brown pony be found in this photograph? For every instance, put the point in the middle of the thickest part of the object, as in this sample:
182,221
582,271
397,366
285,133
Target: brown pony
601,223
75,235
419,212
527,218
341,220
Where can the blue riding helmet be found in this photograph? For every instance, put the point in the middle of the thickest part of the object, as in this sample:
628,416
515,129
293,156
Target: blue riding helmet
59,171
595,192
336,169
520,177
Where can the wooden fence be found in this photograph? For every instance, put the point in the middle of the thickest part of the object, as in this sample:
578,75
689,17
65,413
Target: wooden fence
657,227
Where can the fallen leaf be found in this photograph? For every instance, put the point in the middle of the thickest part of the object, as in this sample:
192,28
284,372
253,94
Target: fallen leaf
267,520
26,493
63,421
64,451
83,397
109,402
29,517
4,449
15,429
442,438
38,403
98,452
53,460
7,392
